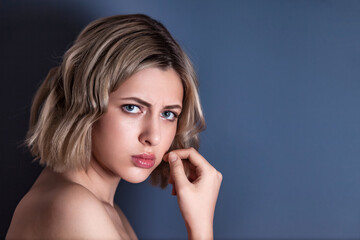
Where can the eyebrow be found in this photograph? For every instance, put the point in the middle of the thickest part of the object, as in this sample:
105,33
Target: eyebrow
149,105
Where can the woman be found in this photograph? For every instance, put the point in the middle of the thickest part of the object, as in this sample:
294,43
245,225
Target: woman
123,104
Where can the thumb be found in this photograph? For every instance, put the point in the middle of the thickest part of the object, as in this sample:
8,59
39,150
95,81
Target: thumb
177,170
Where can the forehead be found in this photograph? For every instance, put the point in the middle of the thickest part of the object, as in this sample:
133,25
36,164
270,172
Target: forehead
154,85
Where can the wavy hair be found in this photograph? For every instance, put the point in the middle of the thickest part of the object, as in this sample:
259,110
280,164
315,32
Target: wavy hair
75,94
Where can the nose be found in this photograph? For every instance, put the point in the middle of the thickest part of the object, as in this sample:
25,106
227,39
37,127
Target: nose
150,134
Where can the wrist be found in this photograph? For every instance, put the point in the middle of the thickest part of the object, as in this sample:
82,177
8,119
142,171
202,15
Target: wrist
200,232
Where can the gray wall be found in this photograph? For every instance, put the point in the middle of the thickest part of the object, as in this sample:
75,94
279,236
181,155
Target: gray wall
279,83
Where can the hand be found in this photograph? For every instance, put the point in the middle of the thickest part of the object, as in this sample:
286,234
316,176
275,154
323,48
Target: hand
197,190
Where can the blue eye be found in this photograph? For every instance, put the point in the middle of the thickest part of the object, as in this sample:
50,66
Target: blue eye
131,108
169,115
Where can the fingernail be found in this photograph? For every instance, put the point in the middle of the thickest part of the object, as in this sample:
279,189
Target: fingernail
172,157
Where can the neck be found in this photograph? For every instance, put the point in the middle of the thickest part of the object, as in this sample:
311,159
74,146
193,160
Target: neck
101,182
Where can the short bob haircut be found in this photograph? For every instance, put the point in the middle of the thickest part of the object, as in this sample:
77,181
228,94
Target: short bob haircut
75,94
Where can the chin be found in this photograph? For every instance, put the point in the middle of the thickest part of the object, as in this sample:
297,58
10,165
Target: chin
137,176
135,180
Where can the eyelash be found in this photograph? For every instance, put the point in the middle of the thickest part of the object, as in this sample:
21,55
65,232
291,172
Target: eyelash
133,105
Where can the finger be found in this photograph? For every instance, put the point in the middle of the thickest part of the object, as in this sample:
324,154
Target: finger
177,170
190,172
188,167
194,157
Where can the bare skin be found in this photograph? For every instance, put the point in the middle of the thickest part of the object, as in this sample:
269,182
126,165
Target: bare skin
55,201
141,118
196,184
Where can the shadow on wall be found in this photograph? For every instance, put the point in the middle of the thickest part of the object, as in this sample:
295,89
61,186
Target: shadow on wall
33,39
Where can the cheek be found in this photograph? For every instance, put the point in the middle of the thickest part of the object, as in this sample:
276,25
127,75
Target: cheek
114,132
169,136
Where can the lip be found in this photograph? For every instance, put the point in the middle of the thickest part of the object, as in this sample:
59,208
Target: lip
144,160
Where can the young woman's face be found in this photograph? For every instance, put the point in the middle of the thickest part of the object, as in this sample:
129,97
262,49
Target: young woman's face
131,138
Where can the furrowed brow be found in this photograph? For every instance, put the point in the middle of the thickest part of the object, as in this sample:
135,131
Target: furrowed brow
138,100
173,107
149,105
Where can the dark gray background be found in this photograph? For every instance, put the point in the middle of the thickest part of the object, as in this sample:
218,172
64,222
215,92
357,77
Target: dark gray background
279,83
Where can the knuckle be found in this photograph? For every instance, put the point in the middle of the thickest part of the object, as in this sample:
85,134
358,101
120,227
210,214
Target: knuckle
191,149
220,176
213,171
215,174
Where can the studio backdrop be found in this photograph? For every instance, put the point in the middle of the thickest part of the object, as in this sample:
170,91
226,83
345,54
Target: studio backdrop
280,87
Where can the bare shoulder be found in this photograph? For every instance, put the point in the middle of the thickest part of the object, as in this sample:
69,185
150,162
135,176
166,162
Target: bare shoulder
69,211
126,223
80,215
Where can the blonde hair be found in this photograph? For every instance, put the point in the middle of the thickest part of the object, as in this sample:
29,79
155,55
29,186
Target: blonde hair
75,94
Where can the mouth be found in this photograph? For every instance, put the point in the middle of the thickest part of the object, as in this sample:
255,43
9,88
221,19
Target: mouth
144,160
